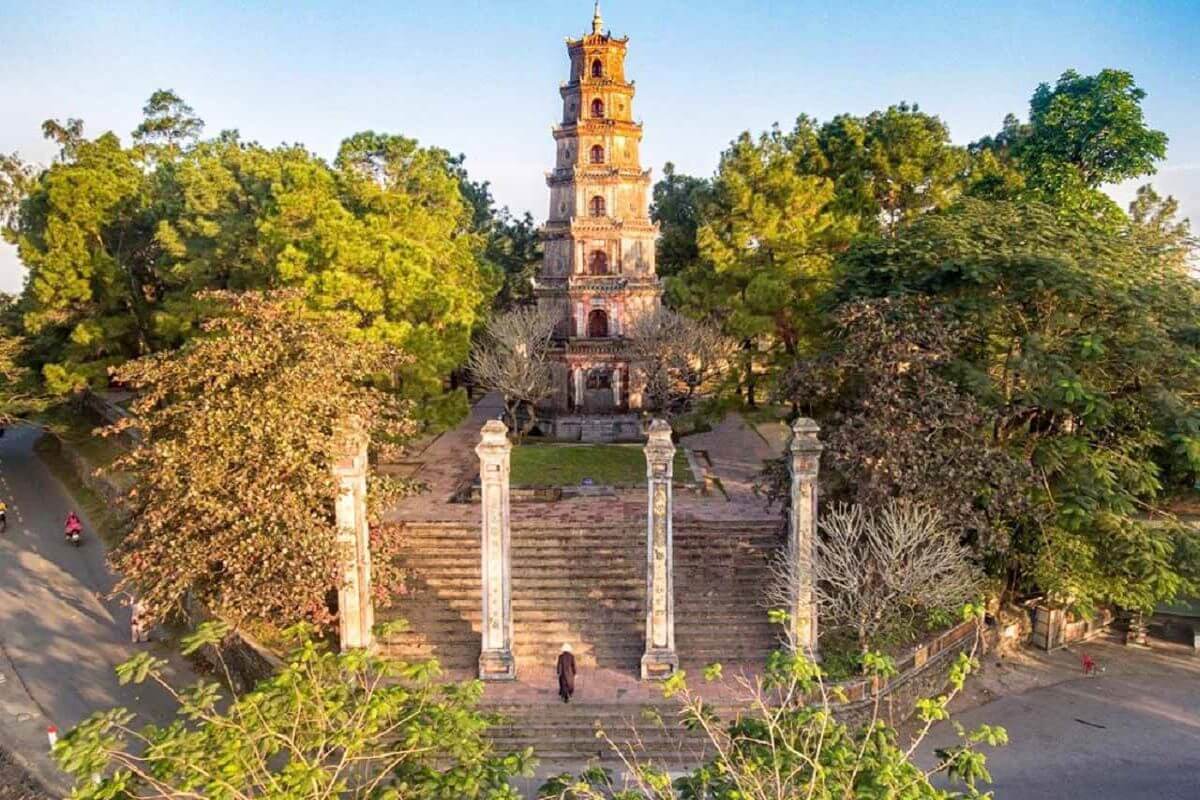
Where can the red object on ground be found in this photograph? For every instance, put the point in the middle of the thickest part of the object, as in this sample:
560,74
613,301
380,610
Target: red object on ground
1089,665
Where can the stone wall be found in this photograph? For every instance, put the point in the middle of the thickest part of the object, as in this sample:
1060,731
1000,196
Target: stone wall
104,485
105,409
247,660
923,672
1057,627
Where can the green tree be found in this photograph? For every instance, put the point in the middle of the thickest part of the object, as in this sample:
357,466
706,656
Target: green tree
19,391
87,239
232,495
348,725
119,240
168,121
1081,342
888,167
677,207
1084,132
766,249
896,426
16,178
514,245
1156,224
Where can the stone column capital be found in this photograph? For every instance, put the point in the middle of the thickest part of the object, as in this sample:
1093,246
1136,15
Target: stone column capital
804,436
659,449
350,440
493,439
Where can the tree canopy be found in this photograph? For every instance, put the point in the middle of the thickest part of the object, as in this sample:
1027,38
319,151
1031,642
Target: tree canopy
119,239
1083,132
1082,344
765,244
981,328
232,495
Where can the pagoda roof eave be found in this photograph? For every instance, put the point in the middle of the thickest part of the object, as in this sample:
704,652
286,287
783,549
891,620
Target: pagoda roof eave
593,39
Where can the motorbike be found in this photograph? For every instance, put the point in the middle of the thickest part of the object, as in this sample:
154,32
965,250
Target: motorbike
74,534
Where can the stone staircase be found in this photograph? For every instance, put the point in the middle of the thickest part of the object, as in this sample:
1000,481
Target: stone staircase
586,586
566,736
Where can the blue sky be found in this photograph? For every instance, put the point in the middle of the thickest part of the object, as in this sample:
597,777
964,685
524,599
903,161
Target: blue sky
481,77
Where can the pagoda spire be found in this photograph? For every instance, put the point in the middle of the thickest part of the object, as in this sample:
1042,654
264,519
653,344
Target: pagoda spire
597,20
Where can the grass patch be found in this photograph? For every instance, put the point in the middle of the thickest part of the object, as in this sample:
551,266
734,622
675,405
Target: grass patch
569,464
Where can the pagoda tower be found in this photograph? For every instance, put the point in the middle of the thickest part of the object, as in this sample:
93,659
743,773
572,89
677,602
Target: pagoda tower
598,272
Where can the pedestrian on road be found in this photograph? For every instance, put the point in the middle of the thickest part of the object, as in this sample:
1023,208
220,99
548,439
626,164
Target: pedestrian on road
566,673
3,516
139,627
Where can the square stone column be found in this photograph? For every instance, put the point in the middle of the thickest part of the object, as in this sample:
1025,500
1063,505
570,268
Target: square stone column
496,661
802,531
356,610
660,660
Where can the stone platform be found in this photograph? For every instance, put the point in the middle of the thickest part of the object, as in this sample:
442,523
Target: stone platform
596,428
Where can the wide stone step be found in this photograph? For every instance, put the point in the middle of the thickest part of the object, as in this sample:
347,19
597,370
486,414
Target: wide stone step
419,613
685,527
466,611
748,625
466,553
584,563
599,539
637,531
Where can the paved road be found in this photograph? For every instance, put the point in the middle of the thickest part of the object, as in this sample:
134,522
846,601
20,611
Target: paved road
1106,738
60,638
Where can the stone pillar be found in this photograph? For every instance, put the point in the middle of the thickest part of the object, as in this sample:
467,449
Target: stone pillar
802,532
356,611
1135,635
579,388
660,659
495,658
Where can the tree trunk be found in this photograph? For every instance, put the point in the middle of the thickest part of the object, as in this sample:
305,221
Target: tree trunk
747,347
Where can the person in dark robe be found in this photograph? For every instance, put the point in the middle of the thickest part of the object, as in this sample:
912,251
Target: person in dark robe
566,673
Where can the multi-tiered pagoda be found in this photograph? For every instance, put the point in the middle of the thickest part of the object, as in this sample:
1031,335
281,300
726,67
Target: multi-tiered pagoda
598,274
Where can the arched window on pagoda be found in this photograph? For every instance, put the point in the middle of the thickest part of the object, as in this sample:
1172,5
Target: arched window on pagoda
597,206
597,107
598,264
597,154
597,324
597,69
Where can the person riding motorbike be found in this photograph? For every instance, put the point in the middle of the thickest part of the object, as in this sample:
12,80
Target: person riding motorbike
74,527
